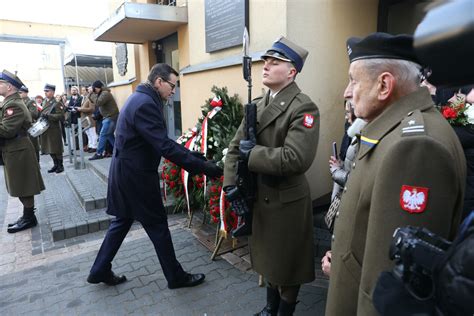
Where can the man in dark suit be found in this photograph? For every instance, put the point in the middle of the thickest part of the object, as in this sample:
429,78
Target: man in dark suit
134,182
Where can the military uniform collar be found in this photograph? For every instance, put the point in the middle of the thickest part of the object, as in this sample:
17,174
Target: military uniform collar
278,105
12,96
391,117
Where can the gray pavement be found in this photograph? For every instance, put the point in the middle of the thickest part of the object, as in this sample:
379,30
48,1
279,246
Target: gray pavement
41,276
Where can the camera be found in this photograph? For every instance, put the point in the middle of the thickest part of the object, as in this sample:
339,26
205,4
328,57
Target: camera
416,251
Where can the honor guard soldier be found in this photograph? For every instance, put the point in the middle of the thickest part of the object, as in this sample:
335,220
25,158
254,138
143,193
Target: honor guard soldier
31,106
51,139
410,169
281,244
22,175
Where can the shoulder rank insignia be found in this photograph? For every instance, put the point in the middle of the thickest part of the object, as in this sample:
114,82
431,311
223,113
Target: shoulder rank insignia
308,120
413,124
413,199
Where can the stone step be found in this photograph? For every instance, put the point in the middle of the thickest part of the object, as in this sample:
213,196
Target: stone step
101,169
61,212
90,190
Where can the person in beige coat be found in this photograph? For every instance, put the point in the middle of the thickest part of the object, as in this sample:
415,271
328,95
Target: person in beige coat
410,169
51,140
281,244
22,175
86,109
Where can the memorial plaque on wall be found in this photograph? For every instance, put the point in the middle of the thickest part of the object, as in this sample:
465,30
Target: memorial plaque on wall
225,23
121,58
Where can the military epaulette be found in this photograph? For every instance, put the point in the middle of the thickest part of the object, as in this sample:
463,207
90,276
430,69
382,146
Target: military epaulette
413,124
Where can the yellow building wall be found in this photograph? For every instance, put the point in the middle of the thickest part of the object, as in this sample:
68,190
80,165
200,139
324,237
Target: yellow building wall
322,27
267,21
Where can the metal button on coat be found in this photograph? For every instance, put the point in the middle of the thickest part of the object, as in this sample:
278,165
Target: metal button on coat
266,200
332,238
337,214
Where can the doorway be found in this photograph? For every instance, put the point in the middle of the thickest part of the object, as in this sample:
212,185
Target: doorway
166,51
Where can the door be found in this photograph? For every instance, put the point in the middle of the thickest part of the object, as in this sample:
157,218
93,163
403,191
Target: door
166,51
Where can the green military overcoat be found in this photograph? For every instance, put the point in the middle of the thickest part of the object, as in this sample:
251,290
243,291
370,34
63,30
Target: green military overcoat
31,106
281,244
51,140
410,170
22,174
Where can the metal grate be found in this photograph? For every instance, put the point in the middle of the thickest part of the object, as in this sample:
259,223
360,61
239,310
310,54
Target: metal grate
166,2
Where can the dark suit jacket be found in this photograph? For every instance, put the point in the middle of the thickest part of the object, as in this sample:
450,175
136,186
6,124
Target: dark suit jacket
140,141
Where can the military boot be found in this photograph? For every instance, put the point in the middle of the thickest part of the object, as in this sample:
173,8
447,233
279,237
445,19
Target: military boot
55,167
60,167
28,220
286,309
273,303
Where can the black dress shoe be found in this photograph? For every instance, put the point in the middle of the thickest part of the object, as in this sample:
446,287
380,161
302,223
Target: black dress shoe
22,224
109,279
188,281
13,224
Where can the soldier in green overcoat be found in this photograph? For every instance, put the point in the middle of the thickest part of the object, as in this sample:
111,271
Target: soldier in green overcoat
410,170
281,244
22,176
31,106
51,140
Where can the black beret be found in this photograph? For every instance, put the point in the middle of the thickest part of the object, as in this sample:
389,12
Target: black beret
97,84
49,86
381,45
24,89
5,75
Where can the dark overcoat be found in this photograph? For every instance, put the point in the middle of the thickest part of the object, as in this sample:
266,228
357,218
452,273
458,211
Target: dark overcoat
140,141
52,140
22,174
410,170
281,244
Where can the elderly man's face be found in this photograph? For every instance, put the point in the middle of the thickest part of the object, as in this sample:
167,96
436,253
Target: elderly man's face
362,92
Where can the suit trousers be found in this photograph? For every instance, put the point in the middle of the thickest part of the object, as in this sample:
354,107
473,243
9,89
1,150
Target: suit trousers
158,233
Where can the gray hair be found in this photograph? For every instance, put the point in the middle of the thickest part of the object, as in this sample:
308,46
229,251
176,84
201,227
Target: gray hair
407,73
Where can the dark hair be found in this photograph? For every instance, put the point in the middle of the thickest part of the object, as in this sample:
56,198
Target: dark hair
161,71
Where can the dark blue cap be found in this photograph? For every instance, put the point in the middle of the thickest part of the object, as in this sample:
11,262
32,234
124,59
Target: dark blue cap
381,45
5,75
286,50
24,89
49,86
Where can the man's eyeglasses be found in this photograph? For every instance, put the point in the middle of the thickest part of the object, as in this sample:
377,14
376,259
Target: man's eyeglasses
172,85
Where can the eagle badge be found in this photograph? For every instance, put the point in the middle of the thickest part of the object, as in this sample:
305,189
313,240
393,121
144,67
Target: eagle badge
308,120
413,199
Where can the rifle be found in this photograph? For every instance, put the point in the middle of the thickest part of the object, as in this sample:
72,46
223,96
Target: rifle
246,180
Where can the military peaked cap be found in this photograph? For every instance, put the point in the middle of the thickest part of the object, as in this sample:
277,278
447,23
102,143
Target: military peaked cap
381,45
23,88
286,50
49,86
5,75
